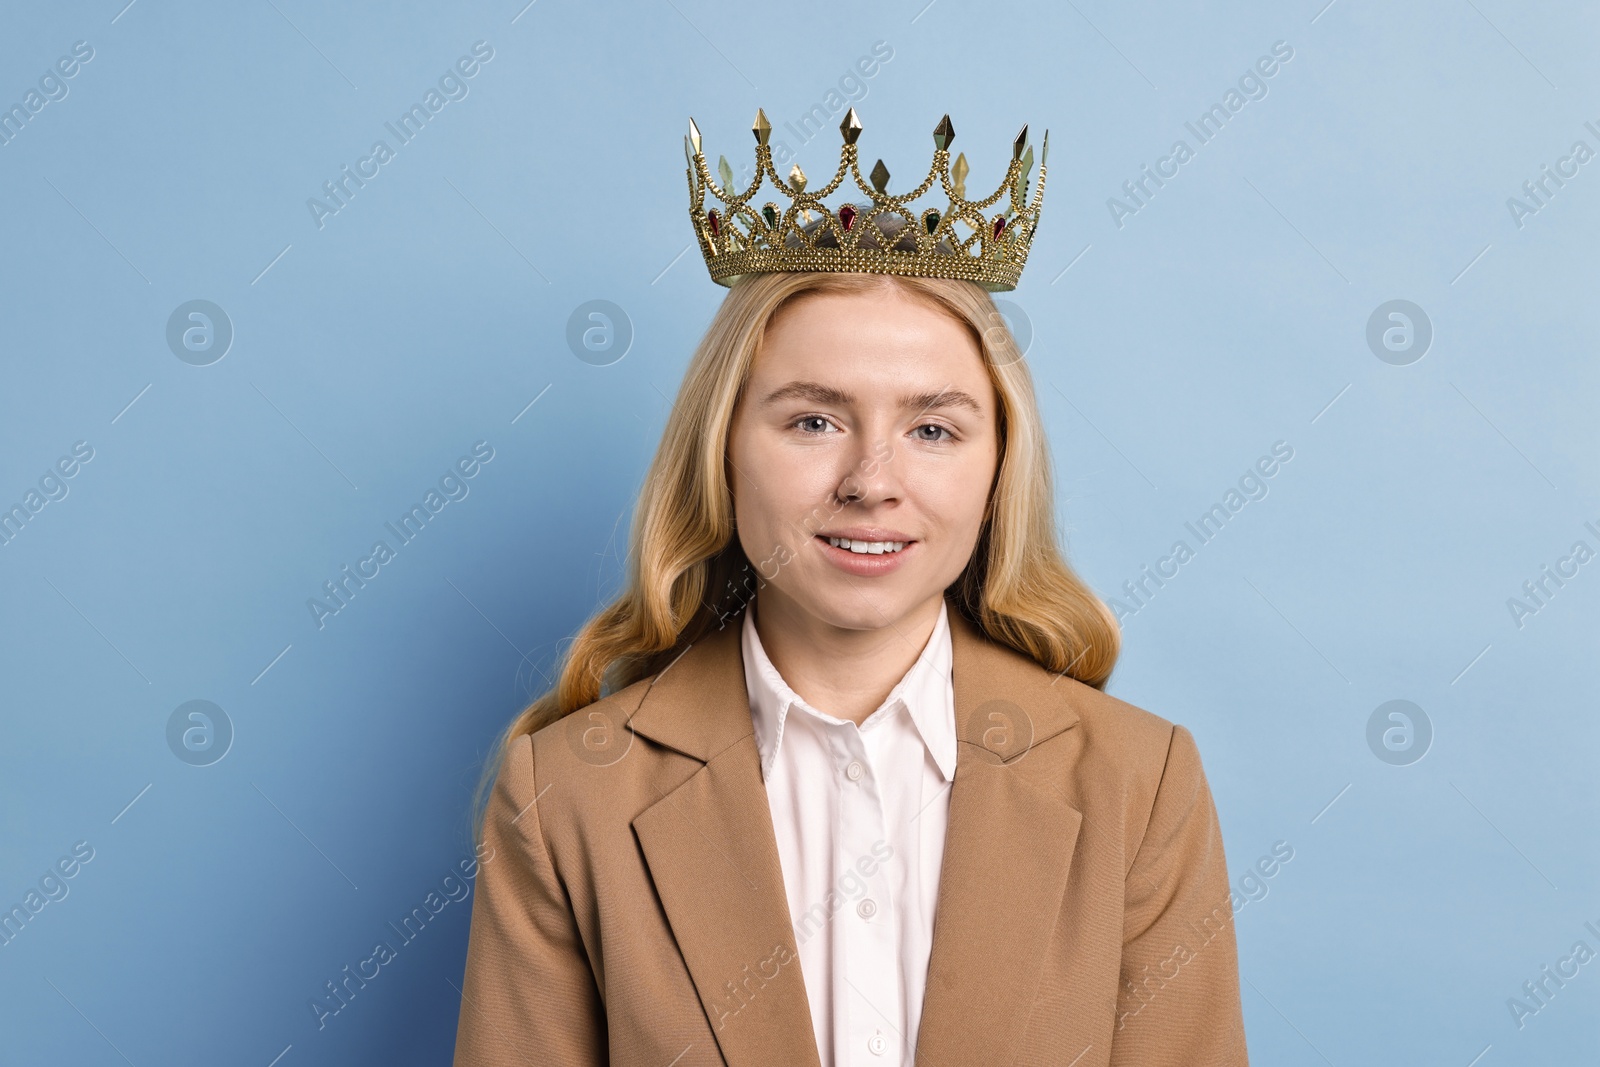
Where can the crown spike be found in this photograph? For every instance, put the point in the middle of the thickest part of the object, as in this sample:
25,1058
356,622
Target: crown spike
797,178
762,128
1044,149
1020,190
1020,143
694,134
880,176
943,133
725,172
851,126
958,175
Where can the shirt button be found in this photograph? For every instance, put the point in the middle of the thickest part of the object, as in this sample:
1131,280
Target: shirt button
853,772
876,1044
867,908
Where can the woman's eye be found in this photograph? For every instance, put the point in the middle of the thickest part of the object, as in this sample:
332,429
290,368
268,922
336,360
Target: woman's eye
935,427
809,423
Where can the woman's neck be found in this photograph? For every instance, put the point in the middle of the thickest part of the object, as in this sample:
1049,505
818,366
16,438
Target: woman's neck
843,672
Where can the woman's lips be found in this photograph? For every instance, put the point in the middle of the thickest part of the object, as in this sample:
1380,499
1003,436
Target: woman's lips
864,564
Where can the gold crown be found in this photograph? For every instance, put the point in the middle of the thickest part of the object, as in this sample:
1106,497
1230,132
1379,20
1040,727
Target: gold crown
739,240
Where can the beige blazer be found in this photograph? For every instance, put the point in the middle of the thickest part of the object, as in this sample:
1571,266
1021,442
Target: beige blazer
631,907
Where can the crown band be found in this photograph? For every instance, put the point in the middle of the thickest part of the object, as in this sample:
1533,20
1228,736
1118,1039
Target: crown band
738,241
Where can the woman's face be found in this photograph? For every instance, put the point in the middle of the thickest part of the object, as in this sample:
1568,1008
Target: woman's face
868,416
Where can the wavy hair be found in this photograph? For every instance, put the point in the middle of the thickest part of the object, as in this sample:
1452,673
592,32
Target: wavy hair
686,570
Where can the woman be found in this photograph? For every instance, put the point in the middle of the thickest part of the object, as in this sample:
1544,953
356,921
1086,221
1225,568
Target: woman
854,793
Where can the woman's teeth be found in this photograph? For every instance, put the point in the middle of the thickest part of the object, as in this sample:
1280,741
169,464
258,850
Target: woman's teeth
874,548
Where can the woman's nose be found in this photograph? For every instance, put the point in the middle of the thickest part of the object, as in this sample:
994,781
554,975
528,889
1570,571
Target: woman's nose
871,474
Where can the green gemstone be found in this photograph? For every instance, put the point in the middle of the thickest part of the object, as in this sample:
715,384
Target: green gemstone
771,215
931,221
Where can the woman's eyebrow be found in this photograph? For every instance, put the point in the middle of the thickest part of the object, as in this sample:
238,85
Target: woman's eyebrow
827,394
941,398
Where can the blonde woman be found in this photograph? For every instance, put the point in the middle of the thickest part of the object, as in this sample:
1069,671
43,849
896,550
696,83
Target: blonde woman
834,780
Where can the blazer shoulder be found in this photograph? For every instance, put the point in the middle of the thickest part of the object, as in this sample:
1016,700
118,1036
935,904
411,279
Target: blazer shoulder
590,769
1121,729
1124,746
596,734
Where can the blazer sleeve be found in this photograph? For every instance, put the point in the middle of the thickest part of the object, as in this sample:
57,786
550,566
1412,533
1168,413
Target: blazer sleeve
529,995
1179,1002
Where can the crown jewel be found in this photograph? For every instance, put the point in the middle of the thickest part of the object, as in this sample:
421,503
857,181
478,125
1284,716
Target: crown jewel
738,239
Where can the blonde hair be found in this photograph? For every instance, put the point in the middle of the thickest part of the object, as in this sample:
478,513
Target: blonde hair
683,557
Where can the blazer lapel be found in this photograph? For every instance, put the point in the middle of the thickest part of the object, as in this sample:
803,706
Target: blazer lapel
1008,849
713,856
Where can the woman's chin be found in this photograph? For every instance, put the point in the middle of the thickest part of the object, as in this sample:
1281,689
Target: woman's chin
856,607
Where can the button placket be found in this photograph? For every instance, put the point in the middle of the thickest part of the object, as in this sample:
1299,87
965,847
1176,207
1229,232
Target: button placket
864,938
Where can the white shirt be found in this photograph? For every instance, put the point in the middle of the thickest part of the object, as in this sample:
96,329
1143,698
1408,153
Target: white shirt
860,817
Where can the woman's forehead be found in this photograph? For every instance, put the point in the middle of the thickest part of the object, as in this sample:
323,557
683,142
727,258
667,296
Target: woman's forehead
845,328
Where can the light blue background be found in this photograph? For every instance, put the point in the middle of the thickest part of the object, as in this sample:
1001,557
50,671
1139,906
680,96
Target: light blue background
1227,314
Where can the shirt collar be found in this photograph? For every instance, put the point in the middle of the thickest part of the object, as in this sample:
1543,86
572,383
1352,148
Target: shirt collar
926,688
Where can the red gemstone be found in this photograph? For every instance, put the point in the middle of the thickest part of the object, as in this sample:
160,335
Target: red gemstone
999,224
847,215
716,223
